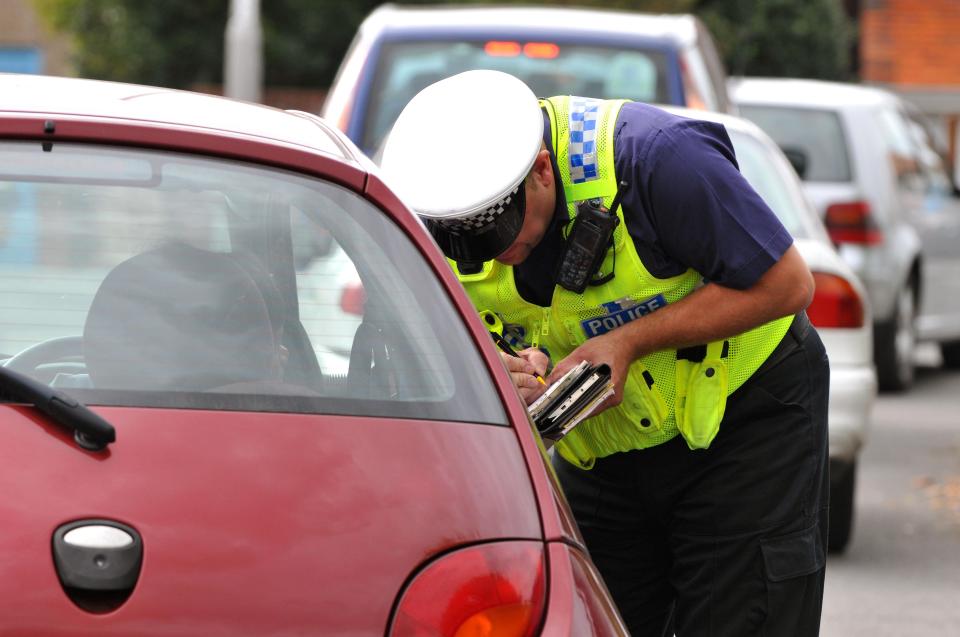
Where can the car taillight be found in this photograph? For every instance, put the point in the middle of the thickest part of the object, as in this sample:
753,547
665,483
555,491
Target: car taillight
692,96
494,590
835,302
852,222
502,48
353,298
499,48
343,122
547,50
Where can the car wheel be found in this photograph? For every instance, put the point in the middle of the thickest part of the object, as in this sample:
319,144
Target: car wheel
950,352
894,343
842,484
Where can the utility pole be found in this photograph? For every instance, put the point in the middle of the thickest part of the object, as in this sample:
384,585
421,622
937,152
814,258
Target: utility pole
243,52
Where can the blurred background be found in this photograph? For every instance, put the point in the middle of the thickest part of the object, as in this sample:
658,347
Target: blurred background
904,45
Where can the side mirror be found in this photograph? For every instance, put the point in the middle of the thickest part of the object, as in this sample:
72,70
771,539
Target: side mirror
798,159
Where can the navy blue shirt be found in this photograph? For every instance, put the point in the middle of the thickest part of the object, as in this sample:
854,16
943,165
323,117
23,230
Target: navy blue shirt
686,205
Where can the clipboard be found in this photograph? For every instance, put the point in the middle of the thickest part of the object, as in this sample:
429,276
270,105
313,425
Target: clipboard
569,401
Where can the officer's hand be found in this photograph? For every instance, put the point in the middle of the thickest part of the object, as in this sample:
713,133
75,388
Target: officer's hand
524,370
600,349
537,358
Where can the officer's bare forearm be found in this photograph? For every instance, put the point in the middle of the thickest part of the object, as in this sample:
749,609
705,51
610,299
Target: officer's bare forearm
715,312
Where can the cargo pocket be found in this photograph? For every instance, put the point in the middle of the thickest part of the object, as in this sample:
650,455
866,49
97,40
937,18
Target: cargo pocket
787,561
701,392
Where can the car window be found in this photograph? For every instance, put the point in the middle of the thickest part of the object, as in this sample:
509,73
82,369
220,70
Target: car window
759,168
817,133
131,277
901,149
937,185
548,68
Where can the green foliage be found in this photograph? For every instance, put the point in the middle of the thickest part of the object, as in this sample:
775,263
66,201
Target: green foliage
179,43
785,38
169,43
304,40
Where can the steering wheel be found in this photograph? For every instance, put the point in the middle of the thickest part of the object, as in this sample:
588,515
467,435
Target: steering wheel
51,350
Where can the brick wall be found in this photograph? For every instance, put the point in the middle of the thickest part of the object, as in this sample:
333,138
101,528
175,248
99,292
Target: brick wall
913,48
910,42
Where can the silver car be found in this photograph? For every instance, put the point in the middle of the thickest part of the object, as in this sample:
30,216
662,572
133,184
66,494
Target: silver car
888,204
840,311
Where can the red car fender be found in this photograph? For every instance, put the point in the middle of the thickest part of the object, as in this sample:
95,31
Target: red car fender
578,603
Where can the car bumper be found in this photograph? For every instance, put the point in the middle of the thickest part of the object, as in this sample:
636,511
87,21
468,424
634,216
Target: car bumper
852,393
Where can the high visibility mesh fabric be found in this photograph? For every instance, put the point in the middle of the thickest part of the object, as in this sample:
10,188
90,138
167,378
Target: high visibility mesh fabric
605,184
560,328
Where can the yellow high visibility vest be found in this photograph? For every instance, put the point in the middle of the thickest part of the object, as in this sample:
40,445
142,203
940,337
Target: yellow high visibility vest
663,395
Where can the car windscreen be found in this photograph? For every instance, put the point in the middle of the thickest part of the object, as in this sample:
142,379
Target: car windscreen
818,134
760,168
548,68
156,279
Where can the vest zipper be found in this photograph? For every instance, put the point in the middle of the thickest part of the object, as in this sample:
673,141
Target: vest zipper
543,329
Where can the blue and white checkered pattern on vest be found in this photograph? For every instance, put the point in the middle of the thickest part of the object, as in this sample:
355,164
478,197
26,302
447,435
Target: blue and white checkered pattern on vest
583,139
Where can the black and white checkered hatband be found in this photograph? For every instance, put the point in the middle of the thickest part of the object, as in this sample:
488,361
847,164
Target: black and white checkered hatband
484,235
478,221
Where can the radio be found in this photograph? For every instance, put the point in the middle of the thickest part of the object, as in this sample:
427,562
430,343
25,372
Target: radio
587,244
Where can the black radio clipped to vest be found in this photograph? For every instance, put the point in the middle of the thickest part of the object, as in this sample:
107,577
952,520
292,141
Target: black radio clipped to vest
587,243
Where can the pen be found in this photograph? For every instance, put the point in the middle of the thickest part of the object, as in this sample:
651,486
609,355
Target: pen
505,346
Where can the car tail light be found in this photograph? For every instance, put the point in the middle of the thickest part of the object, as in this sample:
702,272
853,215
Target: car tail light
501,48
498,48
547,50
835,302
692,96
353,298
343,122
494,590
852,222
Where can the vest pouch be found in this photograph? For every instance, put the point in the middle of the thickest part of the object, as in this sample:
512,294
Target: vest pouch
573,450
701,395
644,404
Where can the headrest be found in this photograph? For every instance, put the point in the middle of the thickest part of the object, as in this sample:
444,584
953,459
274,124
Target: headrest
178,318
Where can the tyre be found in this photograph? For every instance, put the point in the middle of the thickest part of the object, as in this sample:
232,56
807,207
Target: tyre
894,342
842,486
951,354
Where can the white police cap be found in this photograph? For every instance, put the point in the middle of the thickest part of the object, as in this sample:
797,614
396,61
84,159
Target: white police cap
458,155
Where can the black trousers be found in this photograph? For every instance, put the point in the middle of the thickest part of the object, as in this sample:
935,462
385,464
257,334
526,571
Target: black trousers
729,540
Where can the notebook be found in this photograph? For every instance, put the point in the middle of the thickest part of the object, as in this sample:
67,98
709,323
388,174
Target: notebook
569,401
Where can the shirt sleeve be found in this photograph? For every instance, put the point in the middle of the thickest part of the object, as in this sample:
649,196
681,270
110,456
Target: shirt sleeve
707,217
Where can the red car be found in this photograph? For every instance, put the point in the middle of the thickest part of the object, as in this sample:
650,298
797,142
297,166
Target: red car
182,453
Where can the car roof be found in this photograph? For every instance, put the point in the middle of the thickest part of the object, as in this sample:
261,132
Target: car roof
81,98
678,28
731,122
809,93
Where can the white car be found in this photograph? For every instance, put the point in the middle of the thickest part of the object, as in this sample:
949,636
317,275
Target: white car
869,167
840,310
397,51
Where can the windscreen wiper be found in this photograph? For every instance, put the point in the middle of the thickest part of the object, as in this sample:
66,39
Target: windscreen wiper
89,430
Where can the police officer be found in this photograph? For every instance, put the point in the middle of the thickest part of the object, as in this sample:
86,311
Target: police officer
614,232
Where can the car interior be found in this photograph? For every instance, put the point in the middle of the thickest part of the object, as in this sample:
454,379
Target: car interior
195,283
